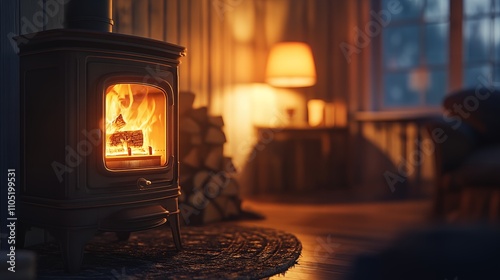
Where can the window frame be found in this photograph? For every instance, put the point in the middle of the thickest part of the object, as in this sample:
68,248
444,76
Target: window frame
456,64
492,61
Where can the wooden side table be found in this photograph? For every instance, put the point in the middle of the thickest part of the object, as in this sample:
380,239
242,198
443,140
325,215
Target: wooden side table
301,158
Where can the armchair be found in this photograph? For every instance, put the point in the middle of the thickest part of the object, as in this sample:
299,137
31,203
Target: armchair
467,156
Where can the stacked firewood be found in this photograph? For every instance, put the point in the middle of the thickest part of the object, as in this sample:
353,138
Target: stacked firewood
209,191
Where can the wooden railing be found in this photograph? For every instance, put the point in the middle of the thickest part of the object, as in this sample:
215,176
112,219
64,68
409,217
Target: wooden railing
393,149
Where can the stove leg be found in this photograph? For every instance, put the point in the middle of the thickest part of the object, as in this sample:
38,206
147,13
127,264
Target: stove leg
72,246
173,220
172,205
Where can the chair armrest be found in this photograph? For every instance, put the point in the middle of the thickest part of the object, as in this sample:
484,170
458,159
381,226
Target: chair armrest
453,143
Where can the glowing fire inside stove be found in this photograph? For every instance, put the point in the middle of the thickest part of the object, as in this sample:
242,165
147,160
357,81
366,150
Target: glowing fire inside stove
135,118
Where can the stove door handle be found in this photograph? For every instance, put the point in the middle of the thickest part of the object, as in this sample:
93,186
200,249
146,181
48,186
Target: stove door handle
143,183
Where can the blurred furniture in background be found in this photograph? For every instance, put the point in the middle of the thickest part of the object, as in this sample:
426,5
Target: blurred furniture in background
467,140
393,143
301,158
452,252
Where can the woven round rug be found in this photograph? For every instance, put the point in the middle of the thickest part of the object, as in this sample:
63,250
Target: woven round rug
209,252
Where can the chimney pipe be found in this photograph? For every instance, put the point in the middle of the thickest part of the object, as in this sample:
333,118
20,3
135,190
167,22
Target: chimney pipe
95,15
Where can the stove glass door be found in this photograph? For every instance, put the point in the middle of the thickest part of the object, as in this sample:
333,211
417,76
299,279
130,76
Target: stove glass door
136,126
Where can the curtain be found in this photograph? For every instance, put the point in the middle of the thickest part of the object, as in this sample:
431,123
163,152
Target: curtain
227,43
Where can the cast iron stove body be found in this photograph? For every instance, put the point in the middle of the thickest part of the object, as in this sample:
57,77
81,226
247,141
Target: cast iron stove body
99,135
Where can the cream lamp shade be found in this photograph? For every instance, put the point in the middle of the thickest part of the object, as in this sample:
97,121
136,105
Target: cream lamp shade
290,64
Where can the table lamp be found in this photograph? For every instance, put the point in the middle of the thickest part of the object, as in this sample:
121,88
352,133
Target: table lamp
290,64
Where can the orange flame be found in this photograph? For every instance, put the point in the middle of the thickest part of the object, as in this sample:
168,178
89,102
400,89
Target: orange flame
130,112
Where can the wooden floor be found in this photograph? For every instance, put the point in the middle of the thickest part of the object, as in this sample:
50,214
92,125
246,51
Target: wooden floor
333,234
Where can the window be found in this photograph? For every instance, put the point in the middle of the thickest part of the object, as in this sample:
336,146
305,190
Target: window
415,49
481,41
414,54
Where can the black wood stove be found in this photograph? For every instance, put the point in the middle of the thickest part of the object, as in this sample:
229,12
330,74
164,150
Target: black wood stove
99,135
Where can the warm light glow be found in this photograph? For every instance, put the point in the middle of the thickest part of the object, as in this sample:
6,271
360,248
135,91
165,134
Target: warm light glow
135,126
316,111
419,79
340,114
330,114
263,103
291,64
244,106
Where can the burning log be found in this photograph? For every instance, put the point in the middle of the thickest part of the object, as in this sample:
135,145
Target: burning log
119,122
133,138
